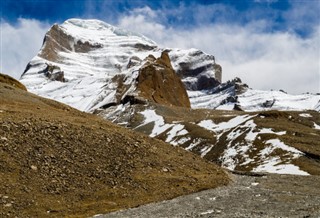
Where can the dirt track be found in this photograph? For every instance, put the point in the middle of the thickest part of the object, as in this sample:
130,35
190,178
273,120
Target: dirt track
247,196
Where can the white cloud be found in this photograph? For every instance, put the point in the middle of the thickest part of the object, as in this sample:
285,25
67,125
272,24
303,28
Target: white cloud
264,60
19,44
143,21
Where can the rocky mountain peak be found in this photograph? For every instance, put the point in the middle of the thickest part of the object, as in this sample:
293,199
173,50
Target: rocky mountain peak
158,82
94,64
89,64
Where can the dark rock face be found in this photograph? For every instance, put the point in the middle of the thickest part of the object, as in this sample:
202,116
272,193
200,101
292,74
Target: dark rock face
218,72
268,103
205,83
158,82
54,73
141,47
57,40
133,61
198,71
235,86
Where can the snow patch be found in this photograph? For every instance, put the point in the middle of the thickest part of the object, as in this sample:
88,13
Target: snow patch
316,126
273,165
193,144
159,125
305,115
177,130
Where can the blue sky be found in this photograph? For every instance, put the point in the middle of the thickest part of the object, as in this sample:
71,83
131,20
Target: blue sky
270,44
231,11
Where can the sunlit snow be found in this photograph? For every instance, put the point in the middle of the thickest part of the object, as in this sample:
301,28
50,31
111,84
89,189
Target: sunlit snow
159,125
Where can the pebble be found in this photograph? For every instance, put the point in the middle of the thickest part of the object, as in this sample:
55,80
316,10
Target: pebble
165,169
4,139
33,167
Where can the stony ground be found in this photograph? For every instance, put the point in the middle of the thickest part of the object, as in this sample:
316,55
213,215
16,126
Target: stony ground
59,162
247,196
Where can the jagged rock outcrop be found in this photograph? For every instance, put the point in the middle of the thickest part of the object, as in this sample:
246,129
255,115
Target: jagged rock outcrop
158,82
12,82
53,73
197,70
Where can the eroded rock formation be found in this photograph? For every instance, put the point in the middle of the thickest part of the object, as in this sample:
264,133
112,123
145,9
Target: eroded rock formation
158,82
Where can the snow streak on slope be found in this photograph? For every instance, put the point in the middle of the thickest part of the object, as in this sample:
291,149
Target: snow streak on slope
174,132
239,152
244,147
316,126
275,164
159,125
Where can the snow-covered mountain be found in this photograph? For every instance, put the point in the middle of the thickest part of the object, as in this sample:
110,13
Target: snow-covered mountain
128,79
82,61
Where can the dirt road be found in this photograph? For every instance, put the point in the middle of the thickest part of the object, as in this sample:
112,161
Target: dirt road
248,196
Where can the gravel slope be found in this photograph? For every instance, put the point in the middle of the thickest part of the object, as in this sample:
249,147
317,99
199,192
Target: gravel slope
248,196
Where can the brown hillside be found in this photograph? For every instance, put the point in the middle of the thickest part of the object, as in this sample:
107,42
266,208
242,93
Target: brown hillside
59,162
11,81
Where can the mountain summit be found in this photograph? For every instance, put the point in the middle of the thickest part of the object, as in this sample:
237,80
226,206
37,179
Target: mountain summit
89,64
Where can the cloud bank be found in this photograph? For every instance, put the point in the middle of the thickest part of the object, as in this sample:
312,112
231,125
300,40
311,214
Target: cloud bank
19,44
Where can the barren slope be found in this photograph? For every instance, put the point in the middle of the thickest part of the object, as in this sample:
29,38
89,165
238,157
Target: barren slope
57,161
285,142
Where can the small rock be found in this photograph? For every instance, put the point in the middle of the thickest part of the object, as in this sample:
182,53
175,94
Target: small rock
33,167
165,169
4,139
7,205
